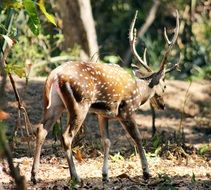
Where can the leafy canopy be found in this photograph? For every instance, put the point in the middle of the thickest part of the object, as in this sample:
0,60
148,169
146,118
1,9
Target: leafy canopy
30,8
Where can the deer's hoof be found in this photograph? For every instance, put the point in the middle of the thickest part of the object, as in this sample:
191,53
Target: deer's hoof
34,179
146,175
76,179
105,178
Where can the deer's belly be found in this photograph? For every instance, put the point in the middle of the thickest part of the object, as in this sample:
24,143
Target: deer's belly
105,109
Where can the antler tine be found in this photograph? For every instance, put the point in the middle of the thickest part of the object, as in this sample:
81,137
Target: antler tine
132,38
170,42
166,37
145,51
131,35
175,66
135,66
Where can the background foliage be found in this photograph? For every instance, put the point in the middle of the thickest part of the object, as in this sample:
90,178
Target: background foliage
112,24
194,41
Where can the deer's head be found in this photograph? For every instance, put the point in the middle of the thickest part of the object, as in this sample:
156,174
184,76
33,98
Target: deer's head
155,80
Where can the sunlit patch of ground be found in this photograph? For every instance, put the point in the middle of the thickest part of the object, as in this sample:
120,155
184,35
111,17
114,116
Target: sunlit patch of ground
186,167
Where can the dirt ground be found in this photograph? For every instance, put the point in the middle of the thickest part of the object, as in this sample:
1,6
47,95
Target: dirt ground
177,160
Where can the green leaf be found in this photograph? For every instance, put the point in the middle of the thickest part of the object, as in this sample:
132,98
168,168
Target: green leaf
33,26
158,150
165,177
17,69
34,21
47,15
203,149
57,131
156,141
112,59
117,157
15,4
193,178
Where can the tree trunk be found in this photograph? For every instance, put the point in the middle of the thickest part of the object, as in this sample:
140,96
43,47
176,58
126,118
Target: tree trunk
78,26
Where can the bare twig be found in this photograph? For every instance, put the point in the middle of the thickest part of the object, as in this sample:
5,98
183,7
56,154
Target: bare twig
181,129
22,109
14,171
17,96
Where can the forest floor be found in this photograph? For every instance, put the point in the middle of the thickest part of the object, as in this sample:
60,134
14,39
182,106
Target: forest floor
176,160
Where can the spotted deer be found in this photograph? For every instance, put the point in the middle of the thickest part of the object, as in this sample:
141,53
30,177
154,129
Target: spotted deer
107,90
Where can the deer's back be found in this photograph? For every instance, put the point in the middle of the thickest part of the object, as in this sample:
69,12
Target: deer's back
105,86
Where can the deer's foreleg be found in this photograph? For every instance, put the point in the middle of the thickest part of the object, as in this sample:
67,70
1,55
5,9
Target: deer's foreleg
153,120
103,125
130,125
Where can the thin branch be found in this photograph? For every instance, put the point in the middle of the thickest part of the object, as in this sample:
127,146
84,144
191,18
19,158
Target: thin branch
17,96
181,128
22,109
14,171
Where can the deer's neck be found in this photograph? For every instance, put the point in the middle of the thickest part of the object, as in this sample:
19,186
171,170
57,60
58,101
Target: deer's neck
145,92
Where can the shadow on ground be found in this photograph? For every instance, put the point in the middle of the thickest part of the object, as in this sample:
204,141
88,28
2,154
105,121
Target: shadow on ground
194,117
123,182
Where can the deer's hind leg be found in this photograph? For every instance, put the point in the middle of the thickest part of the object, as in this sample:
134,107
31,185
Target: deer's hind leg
77,112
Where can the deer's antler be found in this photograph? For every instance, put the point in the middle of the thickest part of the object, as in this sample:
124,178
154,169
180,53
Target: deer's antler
170,43
132,39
